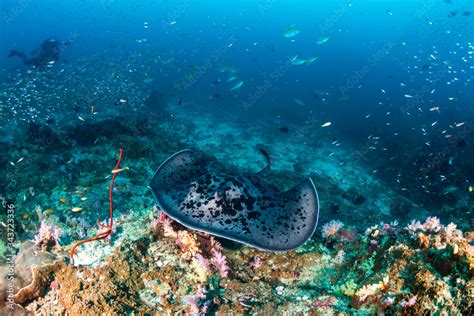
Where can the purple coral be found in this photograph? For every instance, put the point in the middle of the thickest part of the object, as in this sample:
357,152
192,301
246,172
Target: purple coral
197,303
218,260
410,302
256,263
202,261
220,263
193,302
47,237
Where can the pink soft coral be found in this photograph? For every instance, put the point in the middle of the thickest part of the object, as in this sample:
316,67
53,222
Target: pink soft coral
256,263
432,224
166,222
218,260
220,263
197,303
47,237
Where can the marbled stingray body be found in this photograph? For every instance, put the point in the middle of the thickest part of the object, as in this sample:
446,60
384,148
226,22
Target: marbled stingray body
243,208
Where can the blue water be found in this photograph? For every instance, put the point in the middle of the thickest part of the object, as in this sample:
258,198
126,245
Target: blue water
378,55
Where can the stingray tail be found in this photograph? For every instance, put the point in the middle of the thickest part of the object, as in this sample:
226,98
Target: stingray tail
267,158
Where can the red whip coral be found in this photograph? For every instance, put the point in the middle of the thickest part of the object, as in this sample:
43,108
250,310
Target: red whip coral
108,228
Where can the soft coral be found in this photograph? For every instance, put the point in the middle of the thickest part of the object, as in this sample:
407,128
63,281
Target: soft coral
47,237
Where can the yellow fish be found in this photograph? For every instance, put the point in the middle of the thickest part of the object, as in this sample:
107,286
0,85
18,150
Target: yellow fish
26,216
48,212
470,188
63,200
119,170
77,209
326,124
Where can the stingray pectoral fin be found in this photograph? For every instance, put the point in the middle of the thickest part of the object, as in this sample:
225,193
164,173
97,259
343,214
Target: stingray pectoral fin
293,221
179,168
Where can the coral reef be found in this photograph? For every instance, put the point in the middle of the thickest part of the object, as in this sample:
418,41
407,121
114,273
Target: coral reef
422,268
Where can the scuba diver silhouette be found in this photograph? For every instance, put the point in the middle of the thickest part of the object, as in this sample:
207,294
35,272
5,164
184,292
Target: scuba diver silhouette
48,52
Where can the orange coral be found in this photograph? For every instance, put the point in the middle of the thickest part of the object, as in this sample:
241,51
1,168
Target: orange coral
423,240
470,256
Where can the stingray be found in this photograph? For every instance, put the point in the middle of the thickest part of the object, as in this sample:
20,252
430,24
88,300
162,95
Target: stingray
241,207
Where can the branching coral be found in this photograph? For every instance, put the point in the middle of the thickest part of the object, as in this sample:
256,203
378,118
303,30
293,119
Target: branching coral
220,263
218,259
47,237
201,269
194,250
108,228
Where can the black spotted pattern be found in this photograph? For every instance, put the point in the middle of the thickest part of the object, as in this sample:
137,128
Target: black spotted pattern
243,208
